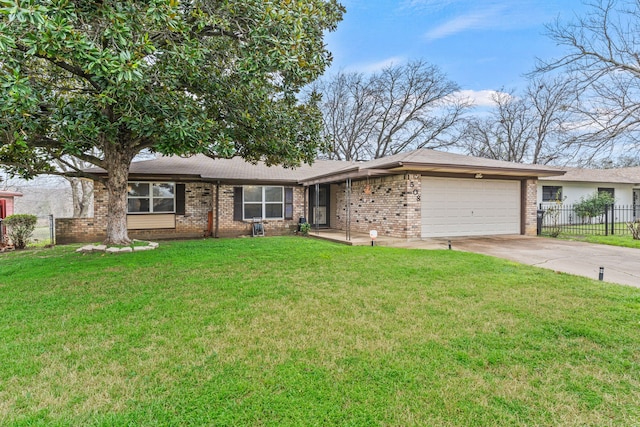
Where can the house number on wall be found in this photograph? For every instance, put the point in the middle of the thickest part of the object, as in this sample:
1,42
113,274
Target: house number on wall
415,191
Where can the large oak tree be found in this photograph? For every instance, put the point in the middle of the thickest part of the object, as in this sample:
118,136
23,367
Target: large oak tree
169,76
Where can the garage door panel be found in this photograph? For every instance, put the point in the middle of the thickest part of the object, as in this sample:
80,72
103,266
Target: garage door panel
469,207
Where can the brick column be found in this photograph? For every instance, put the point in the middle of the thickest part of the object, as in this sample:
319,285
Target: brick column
530,195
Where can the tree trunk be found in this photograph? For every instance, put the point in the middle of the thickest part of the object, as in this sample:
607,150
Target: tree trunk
86,198
81,193
117,160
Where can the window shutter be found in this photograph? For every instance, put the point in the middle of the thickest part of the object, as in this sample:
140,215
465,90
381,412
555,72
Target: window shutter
237,203
288,203
180,199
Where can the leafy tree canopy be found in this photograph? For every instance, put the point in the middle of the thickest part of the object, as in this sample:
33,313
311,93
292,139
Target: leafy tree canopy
102,80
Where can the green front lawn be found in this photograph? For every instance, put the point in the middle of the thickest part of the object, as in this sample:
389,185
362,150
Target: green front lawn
299,332
626,241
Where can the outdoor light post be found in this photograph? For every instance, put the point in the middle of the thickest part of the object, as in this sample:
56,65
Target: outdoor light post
373,234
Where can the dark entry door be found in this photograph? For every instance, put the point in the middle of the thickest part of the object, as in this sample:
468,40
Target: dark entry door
319,205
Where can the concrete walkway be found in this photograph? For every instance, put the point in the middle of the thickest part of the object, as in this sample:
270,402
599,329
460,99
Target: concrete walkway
621,265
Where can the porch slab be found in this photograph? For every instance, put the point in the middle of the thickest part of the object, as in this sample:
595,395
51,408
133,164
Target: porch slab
363,239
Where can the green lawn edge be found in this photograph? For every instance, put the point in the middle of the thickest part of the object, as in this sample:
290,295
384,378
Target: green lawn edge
293,331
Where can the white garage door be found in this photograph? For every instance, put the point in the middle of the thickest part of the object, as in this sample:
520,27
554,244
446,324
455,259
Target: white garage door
469,207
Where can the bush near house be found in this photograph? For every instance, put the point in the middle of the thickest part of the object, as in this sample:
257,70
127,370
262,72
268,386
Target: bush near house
634,227
20,228
593,206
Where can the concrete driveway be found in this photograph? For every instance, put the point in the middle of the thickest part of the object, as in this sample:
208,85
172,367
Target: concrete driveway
621,265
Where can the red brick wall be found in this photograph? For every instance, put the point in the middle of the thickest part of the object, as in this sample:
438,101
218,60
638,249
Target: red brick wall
530,195
390,205
200,199
230,228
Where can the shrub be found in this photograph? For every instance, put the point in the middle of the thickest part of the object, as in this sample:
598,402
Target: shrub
593,206
304,228
553,215
20,228
634,227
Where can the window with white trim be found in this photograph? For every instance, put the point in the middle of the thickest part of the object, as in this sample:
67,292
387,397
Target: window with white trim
151,197
263,202
551,193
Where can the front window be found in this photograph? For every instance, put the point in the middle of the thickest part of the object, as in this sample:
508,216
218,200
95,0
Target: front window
551,193
151,197
609,191
263,202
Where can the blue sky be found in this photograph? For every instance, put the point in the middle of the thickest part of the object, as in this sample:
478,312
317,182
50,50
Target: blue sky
483,45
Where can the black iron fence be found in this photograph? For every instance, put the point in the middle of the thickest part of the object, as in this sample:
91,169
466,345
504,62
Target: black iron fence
555,219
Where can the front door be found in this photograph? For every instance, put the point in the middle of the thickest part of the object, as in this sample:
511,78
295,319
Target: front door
319,205
636,203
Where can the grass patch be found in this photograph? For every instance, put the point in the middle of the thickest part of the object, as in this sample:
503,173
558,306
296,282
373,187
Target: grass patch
291,331
626,241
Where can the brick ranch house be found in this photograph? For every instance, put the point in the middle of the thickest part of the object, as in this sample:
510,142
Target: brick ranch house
418,194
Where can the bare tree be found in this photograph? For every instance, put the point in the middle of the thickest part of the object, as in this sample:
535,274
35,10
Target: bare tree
534,127
603,59
81,188
349,107
401,108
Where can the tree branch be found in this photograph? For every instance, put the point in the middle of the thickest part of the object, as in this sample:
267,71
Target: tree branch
76,71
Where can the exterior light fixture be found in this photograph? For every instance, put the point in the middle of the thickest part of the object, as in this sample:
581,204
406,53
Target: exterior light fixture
478,176
373,234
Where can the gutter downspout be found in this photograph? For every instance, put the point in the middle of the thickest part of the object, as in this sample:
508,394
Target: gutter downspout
348,208
215,235
316,208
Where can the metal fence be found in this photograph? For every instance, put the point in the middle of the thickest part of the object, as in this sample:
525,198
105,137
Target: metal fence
44,232
555,219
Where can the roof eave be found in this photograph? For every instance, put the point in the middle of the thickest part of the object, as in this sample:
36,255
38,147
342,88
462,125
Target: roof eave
458,168
338,177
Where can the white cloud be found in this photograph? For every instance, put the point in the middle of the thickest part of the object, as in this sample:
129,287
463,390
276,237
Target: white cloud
465,15
471,21
373,67
479,98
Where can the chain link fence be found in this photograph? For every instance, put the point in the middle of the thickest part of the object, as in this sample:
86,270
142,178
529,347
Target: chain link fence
44,233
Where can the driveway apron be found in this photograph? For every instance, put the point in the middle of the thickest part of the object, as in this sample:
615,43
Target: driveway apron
621,265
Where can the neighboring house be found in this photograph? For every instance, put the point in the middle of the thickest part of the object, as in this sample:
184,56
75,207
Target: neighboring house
6,202
419,194
6,208
623,184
